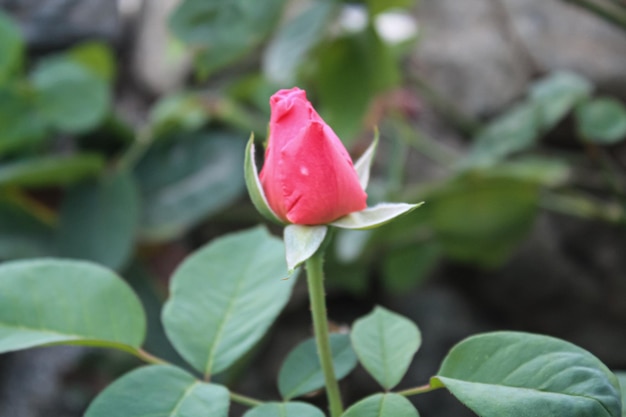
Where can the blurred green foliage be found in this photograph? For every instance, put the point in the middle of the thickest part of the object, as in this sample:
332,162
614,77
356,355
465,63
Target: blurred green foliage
77,181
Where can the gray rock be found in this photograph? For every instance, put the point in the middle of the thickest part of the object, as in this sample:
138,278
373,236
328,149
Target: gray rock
52,24
482,60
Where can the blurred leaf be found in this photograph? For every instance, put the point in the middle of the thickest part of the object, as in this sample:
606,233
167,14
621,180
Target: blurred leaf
98,221
385,343
72,302
515,130
97,57
48,171
289,409
12,47
301,372
182,111
20,123
71,97
22,235
351,71
481,219
291,46
221,31
382,405
508,373
532,169
188,178
408,266
224,297
602,121
352,277
160,390
557,95
378,6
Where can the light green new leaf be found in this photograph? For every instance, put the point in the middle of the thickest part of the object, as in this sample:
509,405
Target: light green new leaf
301,372
290,409
602,121
70,96
186,179
558,94
374,216
526,375
253,183
57,301
98,221
382,405
11,46
291,45
385,343
225,296
160,391
364,164
97,57
50,170
301,242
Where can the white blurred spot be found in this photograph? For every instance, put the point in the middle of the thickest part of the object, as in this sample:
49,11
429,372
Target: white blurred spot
353,18
128,8
396,27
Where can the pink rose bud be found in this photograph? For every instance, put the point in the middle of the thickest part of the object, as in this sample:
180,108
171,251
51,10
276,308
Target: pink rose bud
308,176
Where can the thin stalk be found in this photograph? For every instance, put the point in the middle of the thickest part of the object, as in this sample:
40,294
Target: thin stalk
315,279
244,400
607,11
417,390
136,150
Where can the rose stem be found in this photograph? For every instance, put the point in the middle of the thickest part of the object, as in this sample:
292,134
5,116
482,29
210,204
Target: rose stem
315,279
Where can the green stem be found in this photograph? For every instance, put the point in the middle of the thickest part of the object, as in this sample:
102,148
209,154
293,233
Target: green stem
607,11
315,279
136,150
244,400
418,390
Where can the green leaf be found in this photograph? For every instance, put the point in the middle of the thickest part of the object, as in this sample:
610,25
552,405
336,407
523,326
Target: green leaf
374,216
70,97
253,183
224,32
187,179
98,221
385,343
520,374
301,372
22,234
301,242
379,6
97,57
557,95
621,377
182,111
364,164
408,266
54,301
602,121
514,131
50,170
481,219
352,70
160,391
12,47
20,124
290,409
382,405
291,46
225,296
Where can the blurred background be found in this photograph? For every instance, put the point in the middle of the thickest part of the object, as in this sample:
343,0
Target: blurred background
123,125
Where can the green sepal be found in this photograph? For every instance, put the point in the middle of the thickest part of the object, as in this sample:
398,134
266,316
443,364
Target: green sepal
301,242
364,164
253,183
375,216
